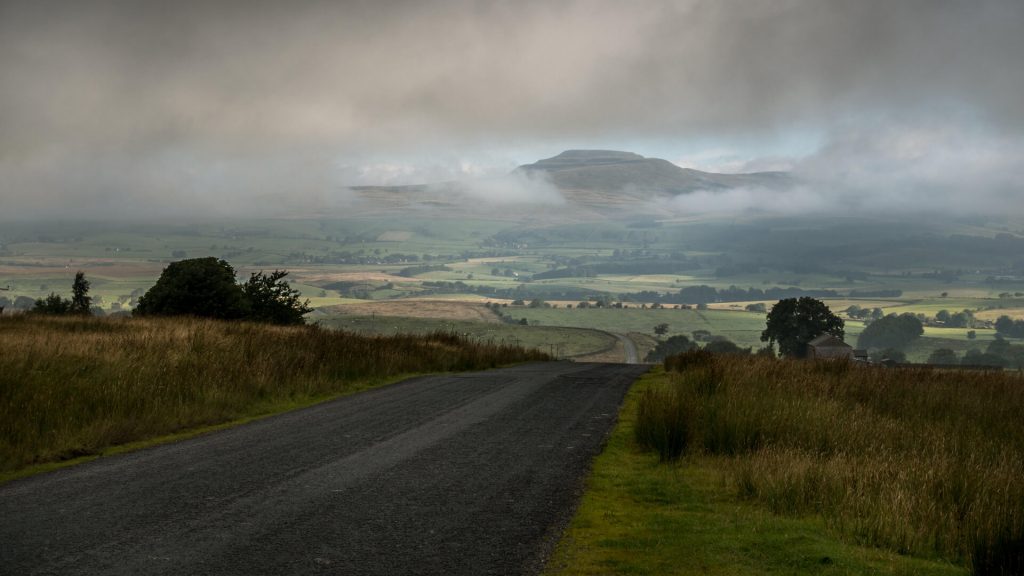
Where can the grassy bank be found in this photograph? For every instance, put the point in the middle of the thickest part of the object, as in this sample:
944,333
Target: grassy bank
806,468
71,386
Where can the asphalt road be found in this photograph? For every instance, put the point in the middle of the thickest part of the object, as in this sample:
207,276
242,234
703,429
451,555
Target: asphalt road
629,348
464,474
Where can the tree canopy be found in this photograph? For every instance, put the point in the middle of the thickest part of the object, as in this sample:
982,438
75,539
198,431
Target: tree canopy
793,322
891,331
80,302
207,287
673,345
203,287
272,300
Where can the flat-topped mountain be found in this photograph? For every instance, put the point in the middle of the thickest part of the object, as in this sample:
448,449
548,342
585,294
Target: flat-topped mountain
615,171
583,184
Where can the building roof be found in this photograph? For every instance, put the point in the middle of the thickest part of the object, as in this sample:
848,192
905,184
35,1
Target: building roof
828,341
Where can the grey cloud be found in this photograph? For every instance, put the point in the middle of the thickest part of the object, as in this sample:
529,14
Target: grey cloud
147,99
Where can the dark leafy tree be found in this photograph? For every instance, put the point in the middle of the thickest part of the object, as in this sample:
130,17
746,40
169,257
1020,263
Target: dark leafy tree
81,303
725,346
661,329
1004,324
943,357
975,357
52,305
203,287
55,305
670,347
891,332
1009,327
272,300
793,322
890,355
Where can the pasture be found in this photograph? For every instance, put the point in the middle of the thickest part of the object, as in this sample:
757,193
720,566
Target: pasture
384,261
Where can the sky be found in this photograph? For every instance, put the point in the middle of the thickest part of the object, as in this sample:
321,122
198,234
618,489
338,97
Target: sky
135,108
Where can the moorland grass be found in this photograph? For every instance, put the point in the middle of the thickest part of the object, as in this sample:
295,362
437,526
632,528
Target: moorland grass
926,463
71,386
639,516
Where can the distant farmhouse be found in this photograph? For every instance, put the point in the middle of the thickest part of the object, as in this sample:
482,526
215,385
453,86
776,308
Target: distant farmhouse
828,347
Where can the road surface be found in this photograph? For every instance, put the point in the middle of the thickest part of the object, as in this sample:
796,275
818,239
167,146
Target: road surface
463,474
629,348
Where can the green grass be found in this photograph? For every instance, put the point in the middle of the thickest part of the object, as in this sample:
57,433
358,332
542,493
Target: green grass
560,341
72,387
743,328
926,463
641,517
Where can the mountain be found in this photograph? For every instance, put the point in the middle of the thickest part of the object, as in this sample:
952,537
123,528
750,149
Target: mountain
614,171
587,184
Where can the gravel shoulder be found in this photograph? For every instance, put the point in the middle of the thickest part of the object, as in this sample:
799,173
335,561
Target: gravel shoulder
461,474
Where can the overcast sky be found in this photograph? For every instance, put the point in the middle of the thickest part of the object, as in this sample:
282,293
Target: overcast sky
138,107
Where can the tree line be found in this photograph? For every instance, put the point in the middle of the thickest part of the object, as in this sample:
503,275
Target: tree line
203,287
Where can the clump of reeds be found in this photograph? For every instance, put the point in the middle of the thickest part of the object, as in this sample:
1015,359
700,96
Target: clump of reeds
71,386
919,462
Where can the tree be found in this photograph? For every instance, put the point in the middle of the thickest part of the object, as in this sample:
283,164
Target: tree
725,346
55,305
1004,324
272,300
975,357
943,357
81,303
203,287
757,307
661,329
674,345
793,322
891,332
890,354
52,305
943,316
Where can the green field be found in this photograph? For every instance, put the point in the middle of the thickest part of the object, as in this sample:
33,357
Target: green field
558,341
976,264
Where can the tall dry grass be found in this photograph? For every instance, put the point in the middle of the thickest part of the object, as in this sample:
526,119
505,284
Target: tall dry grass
921,462
71,386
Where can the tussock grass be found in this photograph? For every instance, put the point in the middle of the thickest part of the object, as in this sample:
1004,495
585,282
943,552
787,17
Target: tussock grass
920,462
72,386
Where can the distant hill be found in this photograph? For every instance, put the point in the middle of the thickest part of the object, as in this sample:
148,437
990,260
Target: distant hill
594,184
614,171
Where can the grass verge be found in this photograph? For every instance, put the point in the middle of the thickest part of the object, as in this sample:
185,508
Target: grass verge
71,388
640,516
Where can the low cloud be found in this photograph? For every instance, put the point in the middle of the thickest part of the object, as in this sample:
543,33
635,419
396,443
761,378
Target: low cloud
885,167
516,188
953,167
796,200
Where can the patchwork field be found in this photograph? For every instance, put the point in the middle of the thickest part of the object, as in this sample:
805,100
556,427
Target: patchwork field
391,266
